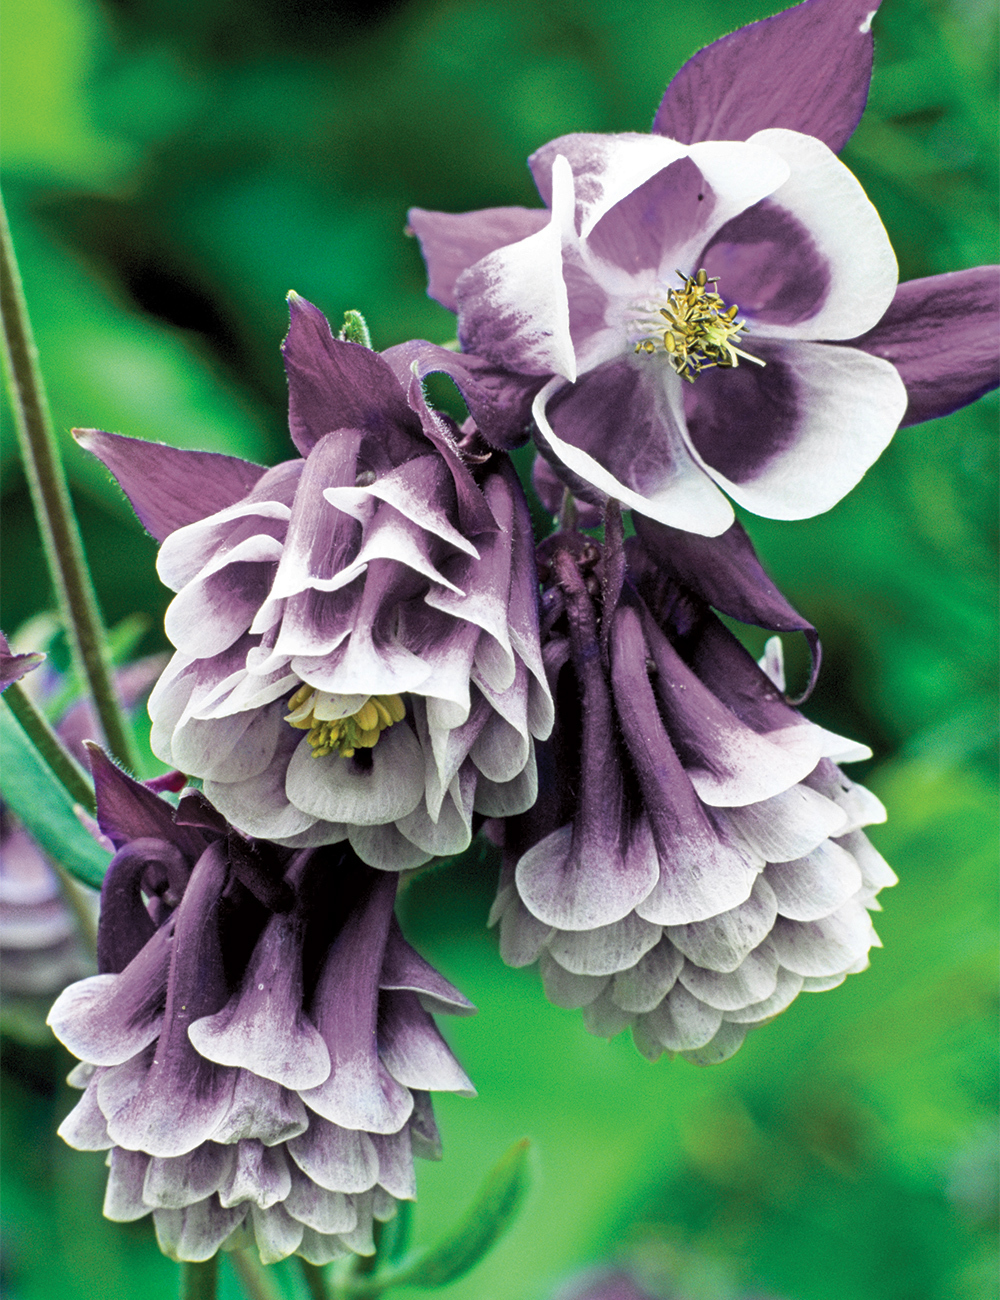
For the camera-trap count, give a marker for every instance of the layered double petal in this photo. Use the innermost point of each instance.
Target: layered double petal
(729, 248)
(695, 858)
(356, 630)
(257, 1052)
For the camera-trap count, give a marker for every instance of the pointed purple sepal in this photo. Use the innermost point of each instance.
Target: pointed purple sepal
(12, 666)
(807, 69)
(170, 487)
(453, 241)
(127, 810)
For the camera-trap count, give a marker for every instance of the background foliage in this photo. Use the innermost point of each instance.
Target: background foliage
(172, 168)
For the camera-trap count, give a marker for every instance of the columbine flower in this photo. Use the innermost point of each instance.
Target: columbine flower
(695, 858)
(356, 630)
(257, 1052)
(713, 307)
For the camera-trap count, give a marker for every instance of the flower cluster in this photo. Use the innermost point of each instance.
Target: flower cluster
(373, 658)
(695, 858)
(257, 1052)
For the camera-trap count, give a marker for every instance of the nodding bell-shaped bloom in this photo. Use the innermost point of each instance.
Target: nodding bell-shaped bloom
(357, 629)
(711, 311)
(695, 858)
(257, 1053)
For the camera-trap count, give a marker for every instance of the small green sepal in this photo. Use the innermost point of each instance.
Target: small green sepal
(355, 329)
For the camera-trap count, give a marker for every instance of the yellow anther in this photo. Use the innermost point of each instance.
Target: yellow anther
(323, 716)
(702, 332)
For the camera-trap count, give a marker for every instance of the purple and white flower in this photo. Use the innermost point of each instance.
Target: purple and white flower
(257, 1052)
(356, 630)
(695, 858)
(729, 248)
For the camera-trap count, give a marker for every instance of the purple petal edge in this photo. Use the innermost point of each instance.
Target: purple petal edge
(453, 241)
(807, 69)
(169, 487)
(941, 333)
(13, 667)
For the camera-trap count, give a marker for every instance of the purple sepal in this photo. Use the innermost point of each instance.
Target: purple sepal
(941, 335)
(807, 69)
(170, 487)
(127, 810)
(499, 400)
(337, 385)
(12, 666)
(453, 241)
(125, 925)
(725, 572)
(404, 968)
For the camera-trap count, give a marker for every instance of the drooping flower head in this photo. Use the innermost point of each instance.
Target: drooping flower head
(356, 630)
(712, 309)
(257, 1051)
(695, 858)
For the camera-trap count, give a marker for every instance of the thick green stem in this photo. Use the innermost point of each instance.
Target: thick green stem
(64, 766)
(53, 510)
(198, 1281)
(315, 1279)
(254, 1278)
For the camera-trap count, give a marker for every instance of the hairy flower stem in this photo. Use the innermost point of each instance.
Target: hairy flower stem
(198, 1281)
(53, 509)
(254, 1278)
(64, 766)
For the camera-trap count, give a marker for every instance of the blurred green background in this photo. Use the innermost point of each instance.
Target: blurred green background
(172, 168)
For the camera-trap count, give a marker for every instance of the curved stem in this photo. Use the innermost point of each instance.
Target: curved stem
(53, 509)
(198, 1281)
(64, 766)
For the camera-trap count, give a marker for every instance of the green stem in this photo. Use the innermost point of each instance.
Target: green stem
(64, 766)
(198, 1281)
(256, 1282)
(83, 914)
(53, 509)
(315, 1279)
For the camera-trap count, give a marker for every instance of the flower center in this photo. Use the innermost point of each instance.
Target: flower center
(701, 331)
(336, 722)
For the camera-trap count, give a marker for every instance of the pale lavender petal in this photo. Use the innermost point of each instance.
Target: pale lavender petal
(337, 789)
(723, 942)
(605, 949)
(404, 968)
(322, 1210)
(386, 848)
(564, 989)
(13, 666)
(341, 1160)
(857, 804)
(277, 1233)
(726, 1042)
(647, 983)
(424, 1135)
(258, 1174)
(412, 1050)
(360, 1237)
(755, 979)
(681, 1022)
(786, 991)
(172, 1183)
(124, 1195)
(320, 1248)
(261, 1109)
(812, 887)
(787, 826)
(807, 68)
(824, 947)
(263, 1028)
(452, 242)
(604, 1018)
(395, 1164)
(876, 873)
(196, 1232)
(85, 1128)
(522, 936)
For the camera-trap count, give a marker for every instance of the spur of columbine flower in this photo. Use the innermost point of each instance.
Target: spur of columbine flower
(732, 250)
(356, 630)
(257, 1052)
(695, 858)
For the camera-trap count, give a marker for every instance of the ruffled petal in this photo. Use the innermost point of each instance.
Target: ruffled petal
(452, 242)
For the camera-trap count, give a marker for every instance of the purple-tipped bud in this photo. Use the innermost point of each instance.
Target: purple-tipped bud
(257, 1053)
(357, 631)
(695, 858)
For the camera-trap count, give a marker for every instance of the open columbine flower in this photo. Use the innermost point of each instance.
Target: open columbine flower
(356, 630)
(695, 858)
(713, 308)
(257, 1051)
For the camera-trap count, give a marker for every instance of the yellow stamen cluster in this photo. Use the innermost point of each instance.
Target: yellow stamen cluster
(319, 713)
(701, 330)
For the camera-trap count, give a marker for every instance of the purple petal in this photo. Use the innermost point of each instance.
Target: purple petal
(322, 1210)
(173, 1182)
(123, 1197)
(564, 989)
(126, 810)
(753, 980)
(85, 1128)
(606, 949)
(13, 667)
(337, 385)
(412, 1049)
(125, 926)
(941, 335)
(258, 1174)
(341, 1160)
(647, 983)
(404, 968)
(360, 1093)
(170, 487)
(196, 1232)
(263, 1028)
(451, 242)
(395, 1164)
(725, 572)
(106, 1019)
(807, 69)
(277, 1233)
(261, 1109)
(424, 1135)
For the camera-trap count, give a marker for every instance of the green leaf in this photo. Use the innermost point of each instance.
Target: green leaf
(485, 1222)
(35, 796)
